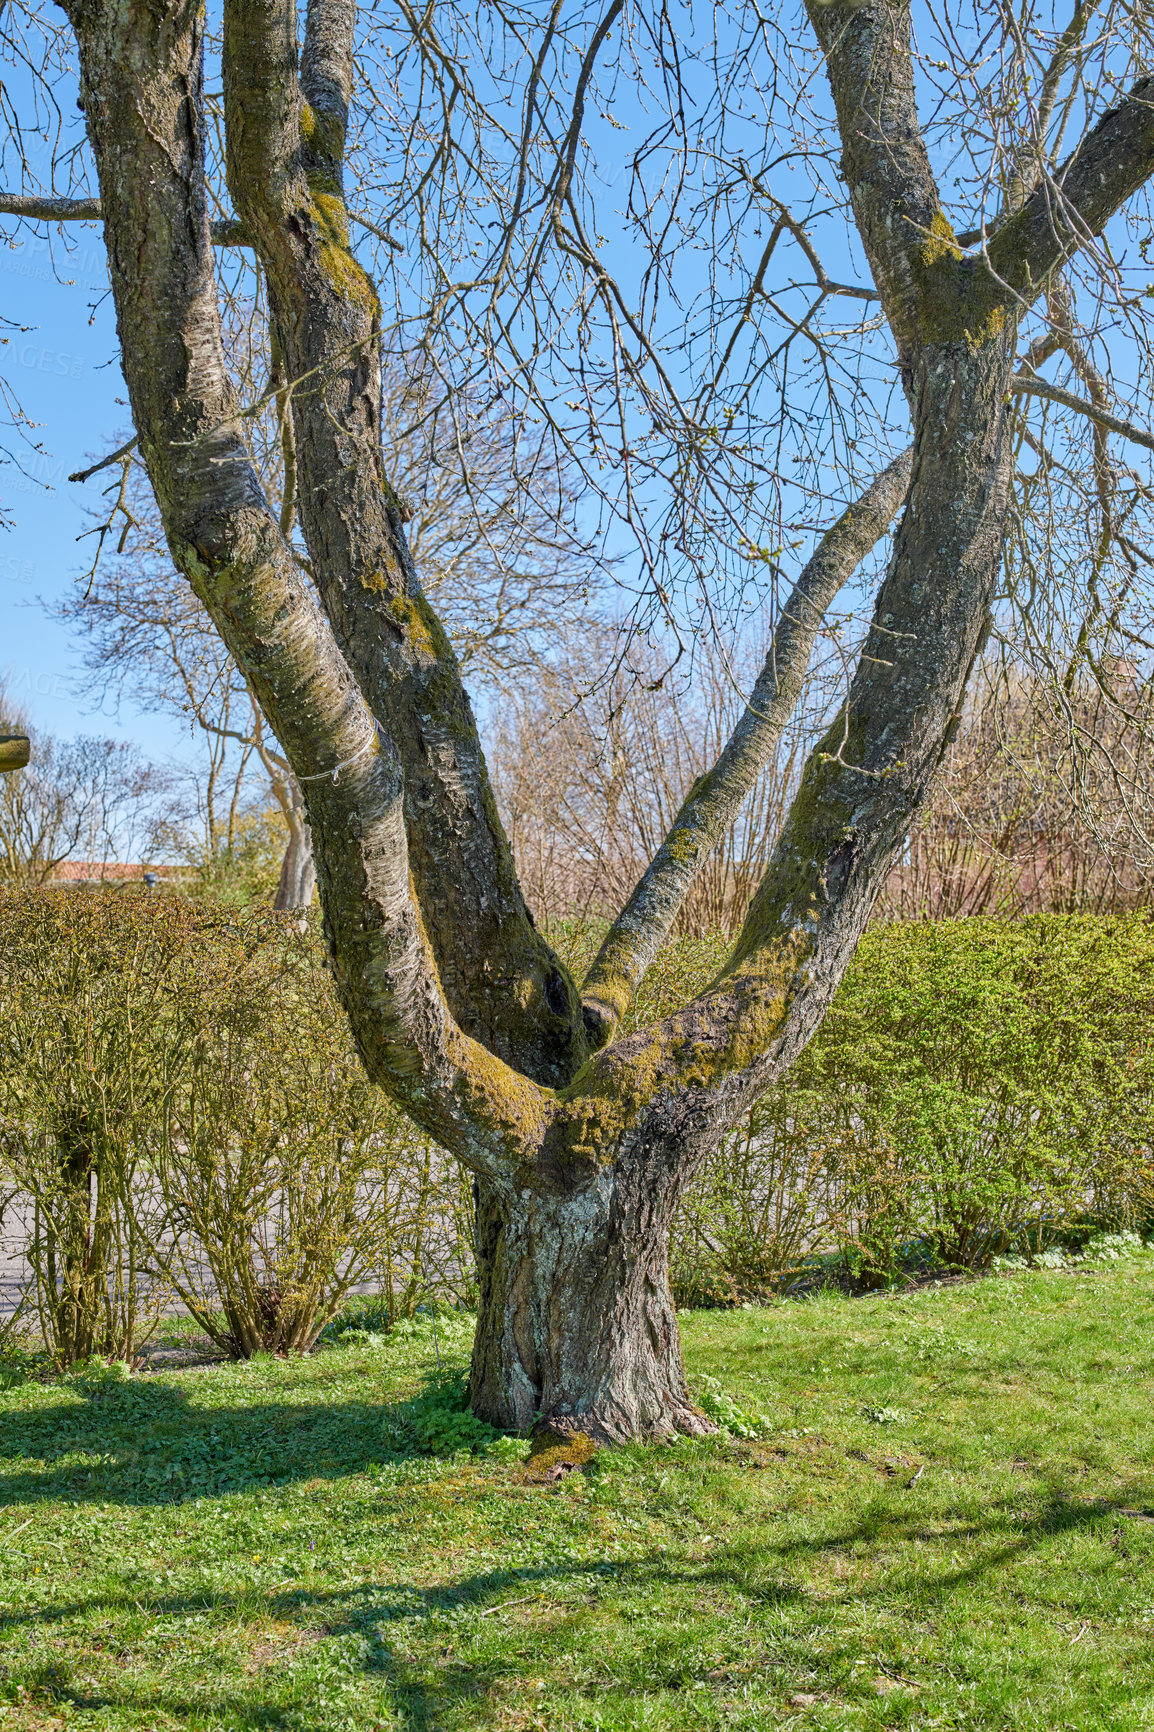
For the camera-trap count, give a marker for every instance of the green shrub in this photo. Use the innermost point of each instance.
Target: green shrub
(976, 1087)
(440, 1421)
(978, 1083)
(703, 1285)
(183, 1113)
(94, 1042)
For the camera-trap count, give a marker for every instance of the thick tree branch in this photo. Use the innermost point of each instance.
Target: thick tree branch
(716, 798)
(15, 750)
(884, 160)
(868, 778)
(55, 210)
(225, 233)
(327, 68)
(680, 1082)
(262, 120)
(1109, 165)
(142, 93)
(928, 287)
(288, 191)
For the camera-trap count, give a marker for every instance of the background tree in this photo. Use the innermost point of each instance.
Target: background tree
(1044, 803)
(582, 1141)
(86, 799)
(592, 759)
(499, 552)
(1040, 806)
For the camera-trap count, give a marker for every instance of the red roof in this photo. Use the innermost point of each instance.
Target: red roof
(96, 871)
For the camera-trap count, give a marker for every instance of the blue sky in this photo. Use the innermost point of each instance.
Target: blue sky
(63, 366)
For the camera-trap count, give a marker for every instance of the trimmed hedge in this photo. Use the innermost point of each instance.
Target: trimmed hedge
(977, 1086)
(183, 1116)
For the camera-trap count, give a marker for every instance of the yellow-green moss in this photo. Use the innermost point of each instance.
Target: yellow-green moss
(323, 144)
(329, 209)
(423, 632)
(954, 305)
(684, 842)
(611, 1093)
(341, 270)
(546, 1453)
(500, 1098)
(965, 305)
(990, 330)
(612, 984)
(941, 242)
(397, 500)
(321, 135)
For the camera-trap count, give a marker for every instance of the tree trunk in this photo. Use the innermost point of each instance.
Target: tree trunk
(298, 873)
(576, 1331)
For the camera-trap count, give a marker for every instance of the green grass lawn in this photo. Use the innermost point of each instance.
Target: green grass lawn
(948, 1522)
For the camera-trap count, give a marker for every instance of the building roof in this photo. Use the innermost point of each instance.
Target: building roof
(107, 871)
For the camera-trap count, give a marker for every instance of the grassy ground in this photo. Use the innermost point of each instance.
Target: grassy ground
(949, 1522)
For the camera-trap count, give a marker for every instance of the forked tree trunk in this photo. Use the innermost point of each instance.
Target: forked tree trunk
(576, 1330)
(458, 1005)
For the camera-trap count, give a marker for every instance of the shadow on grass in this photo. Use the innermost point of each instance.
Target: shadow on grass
(378, 1625)
(145, 1443)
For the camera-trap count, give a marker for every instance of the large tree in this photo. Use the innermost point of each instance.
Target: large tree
(582, 1140)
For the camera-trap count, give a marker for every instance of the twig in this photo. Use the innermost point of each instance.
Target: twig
(524, 1600)
(389, 240)
(1055, 394)
(106, 462)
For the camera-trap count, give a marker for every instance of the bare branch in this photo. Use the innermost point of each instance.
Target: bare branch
(714, 801)
(1109, 165)
(226, 233)
(1021, 386)
(56, 210)
(116, 456)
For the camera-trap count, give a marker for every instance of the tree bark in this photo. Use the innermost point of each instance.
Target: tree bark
(15, 750)
(286, 135)
(576, 1328)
